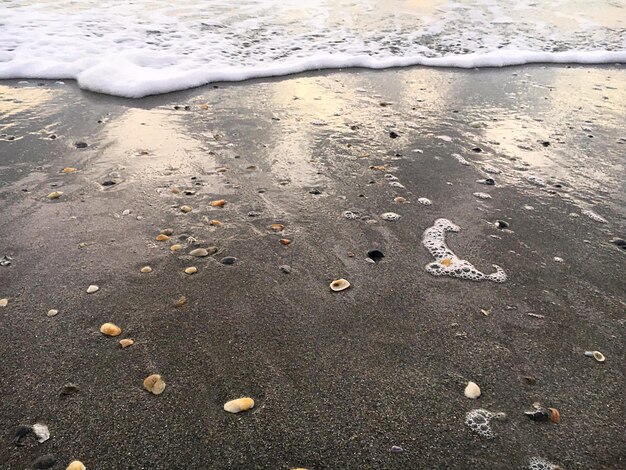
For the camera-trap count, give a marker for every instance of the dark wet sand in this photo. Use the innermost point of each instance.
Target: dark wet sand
(338, 378)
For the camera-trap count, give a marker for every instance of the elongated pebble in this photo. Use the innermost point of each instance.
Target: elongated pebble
(55, 194)
(69, 169)
(76, 465)
(186, 209)
(191, 270)
(240, 404)
(110, 329)
(218, 203)
(176, 247)
(215, 223)
(167, 231)
(4, 302)
(146, 269)
(52, 312)
(126, 342)
(199, 252)
(92, 288)
(162, 237)
(154, 384)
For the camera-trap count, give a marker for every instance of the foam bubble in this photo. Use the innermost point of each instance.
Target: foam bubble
(539, 463)
(425, 201)
(479, 421)
(390, 216)
(447, 263)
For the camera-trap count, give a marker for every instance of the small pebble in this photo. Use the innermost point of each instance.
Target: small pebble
(285, 268)
(285, 241)
(126, 212)
(167, 231)
(215, 223)
(146, 269)
(202, 252)
(176, 247)
(69, 389)
(80, 145)
(472, 390)
(218, 203)
(69, 170)
(191, 270)
(110, 329)
(55, 194)
(162, 237)
(52, 312)
(277, 227)
(154, 384)
(186, 209)
(396, 449)
(76, 465)
(240, 404)
(228, 260)
(126, 342)
(4, 302)
(181, 302)
(399, 200)
(92, 288)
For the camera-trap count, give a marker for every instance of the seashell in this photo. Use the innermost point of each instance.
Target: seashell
(191, 270)
(218, 203)
(555, 416)
(76, 465)
(4, 302)
(215, 223)
(126, 342)
(425, 201)
(167, 231)
(186, 209)
(41, 431)
(176, 247)
(162, 237)
(472, 390)
(69, 169)
(199, 252)
(55, 194)
(285, 241)
(52, 312)
(390, 216)
(146, 269)
(92, 288)
(597, 355)
(399, 200)
(154, 384)
(240, 404)
(339, 285)
(174, 190)
(277, 227)
(110, 329)
(181, 302)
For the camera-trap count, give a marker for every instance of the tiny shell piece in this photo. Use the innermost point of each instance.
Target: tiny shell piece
(126, 342)
(472, 390)
(154, 384)
(76, 465)
(218, 203)
(240, 404)
(110, 329)
(339, 285)
(597, 355)
(191, 270)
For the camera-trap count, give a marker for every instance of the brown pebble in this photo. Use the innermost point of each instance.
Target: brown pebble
(176, 247)
(181, 302)
(154, 384)
(124, 343)
(162, 237)
(175, 190)
(216, 223)
(110, 329)
(285, 241)
(277, 227)
(186, 209)
(218, 203)
(69, 169)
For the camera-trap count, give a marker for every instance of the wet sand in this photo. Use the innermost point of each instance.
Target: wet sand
(338, 378)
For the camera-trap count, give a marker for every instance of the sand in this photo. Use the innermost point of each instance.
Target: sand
(338, 378)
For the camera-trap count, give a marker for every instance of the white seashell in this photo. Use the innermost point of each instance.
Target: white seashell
(92, 288)
(339, 285)
(240, 404)
(425, 201)
(472, 390)
(597, 355)
(4, 302)
(41, 431)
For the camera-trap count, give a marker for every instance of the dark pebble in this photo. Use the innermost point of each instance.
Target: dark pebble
(21, 432)
(490, 181)
(108, 183)
(176, 107)
(530, 380)
(375, 255)
(228, 260)
(538, 415)
(477, 149)
(52, 136)
(394, 135)
(80, 145)
(315, 191)
(501, 224)
(187, 108)
(45, 461)
(619, 242)
(545, 144)
(69, 389)
(285, 268)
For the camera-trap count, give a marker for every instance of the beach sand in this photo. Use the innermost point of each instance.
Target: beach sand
(338, 378)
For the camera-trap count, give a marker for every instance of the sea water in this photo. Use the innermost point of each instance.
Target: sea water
(142, 47)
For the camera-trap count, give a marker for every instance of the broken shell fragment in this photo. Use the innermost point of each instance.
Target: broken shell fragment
(285, 241)
(218, 203)
(154, 384)
(76, 465)
(55, 194)
(146, 269)
(69, 169)
(240, 404)
(399, 200)
(191, 270)
(4, 302)
(472, 390)
(555, 416)
(52, 312)
(126, 342)
(215, 223)
(181, 302)
(597, 355)
(162, 237)
(176, 247)
(186, 209)
(110, 329)
(92, 288)
(339, 285)
(277, 227)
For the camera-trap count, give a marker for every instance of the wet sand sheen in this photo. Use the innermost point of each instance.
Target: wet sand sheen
(337, 378)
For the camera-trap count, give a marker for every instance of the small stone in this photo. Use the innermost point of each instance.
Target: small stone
(394, 134)
(530, 380)
(55, 194)
(42, 432)
(191, 270)
(80, 145)
(199, 252)
(69, 389)
(399, 200)
(285, 268)
(146, 269)
(166, 231)
(397, 449)
(619, 242)
(285, 241)
(472, 390)
(126, 342)
(69, 170)
(92, 288)
(176, 247)
(181, 302)
(228, 260)
(162, 237)
(425, 201)
(110, 329)
(174, 190)
(126, 212)
(76, 465)
(45, 461)
(218, 203)
(52, 312)
(238, 405)
(186, 209)
(215, 223)
(277, 227)
(4, 302)
(154, 384)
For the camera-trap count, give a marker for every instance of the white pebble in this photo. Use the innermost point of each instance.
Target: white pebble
(92, 288)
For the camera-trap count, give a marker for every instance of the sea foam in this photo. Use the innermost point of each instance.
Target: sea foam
(134, 49)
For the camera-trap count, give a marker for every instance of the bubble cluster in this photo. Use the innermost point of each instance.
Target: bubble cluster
(390, 216)
(593, 216)
(447, 263)
(538, 463)
(479, 421)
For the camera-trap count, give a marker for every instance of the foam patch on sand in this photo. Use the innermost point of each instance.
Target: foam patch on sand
(479, 421)
(145, 47)
(538, 463)
(447, 263)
